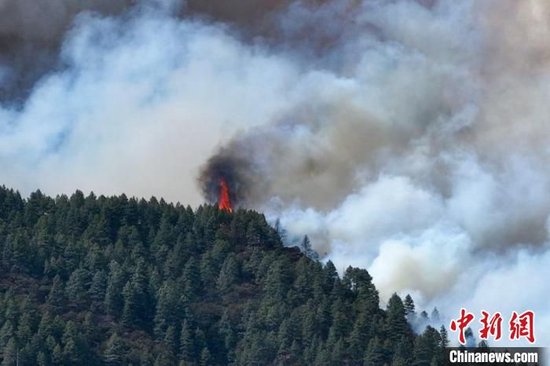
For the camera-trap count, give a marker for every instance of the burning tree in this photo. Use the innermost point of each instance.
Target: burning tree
(224, 200)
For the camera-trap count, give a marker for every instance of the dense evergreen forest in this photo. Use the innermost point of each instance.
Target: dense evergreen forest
(119, 281)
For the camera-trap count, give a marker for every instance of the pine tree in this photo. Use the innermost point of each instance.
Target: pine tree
(426, 347)
(114, 301)
(408, 303)
(359, 337)
(164, 358)
(74, 349)
(435, 316)
(229, 273)
(374, 355)
(170, 341)
(26, 325)
(206, 357)
(228, 334)
(10, 353)
(138, 303)
(57, 354)
(98, 289)
(42, 359)
(115, 351)
(404, 350)
(399, 361)
(396, 322)
(187, 342)
(130, 310)
(56, 297)
(444, 337)
(191, 279)
(168, 308)
(330, 275)
(77, 287)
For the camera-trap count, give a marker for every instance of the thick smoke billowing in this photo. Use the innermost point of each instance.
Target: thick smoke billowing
(405, 137)
(31, 34)
(237, 173)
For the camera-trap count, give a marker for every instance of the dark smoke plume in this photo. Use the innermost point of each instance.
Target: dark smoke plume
(31, 35)
(237, 172)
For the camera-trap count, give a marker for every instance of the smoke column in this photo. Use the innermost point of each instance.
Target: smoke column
(405, 137)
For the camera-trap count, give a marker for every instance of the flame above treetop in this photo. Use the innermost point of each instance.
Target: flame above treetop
(224, 202)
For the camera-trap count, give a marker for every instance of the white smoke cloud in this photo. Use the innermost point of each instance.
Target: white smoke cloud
(140, 106)
(405, 137)
(451, 202)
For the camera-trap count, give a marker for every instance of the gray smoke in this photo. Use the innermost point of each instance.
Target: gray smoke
(31, 33)
(416, 147)
(405, 137)
(236, 171)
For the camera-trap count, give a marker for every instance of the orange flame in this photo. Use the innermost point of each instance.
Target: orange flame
(224, 202)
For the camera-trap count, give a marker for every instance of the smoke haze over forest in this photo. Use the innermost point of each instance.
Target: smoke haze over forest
(406, 137)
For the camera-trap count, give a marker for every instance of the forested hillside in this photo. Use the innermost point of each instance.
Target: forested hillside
(117, 281)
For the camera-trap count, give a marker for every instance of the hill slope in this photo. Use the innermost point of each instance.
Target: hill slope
(117, 281)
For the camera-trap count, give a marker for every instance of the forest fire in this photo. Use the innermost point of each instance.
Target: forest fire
(225, 180)
(224, 202)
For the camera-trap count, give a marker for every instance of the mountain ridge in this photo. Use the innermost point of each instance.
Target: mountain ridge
(120, 281)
